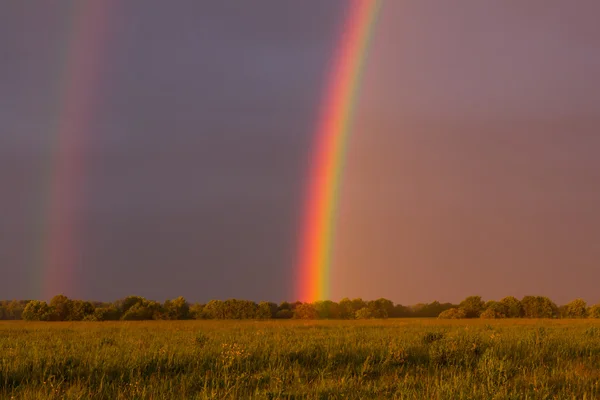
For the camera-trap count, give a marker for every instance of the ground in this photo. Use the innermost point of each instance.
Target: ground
(402, 358)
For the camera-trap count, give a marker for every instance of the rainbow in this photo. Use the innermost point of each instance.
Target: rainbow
(60, 253)
(331, 139)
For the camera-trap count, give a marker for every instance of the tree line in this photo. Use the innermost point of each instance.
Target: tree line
(136, 308)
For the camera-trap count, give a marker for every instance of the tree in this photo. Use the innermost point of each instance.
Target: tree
(110, 313)
(284, 314)
(266, 310)
(284, 311)
(401, 311)
(453, 313)
(306, 311)
(494, 309)
(61, 307)
(143, 311)
(197, 311)
(364, 313)
(358, 304)
(37, 310)
(327, 309)
(14, 309)
(381, 308)
(576, 309)
(80, 310)
(424, 310)
(594, 311)
(513, 307)
(176, 309)
(538, 307)
(346, 309)
(239, 309)
(214, 309)
(473, 306)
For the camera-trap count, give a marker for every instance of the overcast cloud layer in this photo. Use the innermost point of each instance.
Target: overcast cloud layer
(473, 167)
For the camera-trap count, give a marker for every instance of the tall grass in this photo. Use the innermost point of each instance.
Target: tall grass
(404, 359)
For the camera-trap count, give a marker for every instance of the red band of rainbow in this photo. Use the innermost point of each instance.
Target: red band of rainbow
(331, 138)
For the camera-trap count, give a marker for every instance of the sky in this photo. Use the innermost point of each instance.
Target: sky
(472, 167)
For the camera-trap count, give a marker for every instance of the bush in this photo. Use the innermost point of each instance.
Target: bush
(37, 310)
(364, 313)
(453, 313)
(594, 311)
(284, 314)
(491, 313)
(306, 311)
(576, 309)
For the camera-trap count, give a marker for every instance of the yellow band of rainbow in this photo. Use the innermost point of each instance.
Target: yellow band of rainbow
(331, 138)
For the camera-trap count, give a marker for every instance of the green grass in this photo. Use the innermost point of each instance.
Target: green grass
(404, 359)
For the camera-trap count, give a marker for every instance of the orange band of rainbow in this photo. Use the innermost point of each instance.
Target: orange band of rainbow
(332, 135)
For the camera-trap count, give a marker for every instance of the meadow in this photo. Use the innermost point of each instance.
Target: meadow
(292, 359)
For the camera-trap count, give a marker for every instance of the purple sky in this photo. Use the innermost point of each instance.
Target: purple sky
(473, 167)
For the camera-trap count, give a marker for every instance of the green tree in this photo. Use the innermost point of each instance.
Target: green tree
(266, 310)
(364, 313)
(514, 307)
(214, 309)
(81, 310)
(473, 306)
(143, 311)
(327, 309)
(401, 311)
(239, 309)
(576, 309)
(176, 309)
(381, 308)
(37, 310)
(494, 309)
(306, 311)
(453, 313)
(197, 311)
(14, 309)
(125, 304)
(594, 311)
(346, 309)
(538, 307)
(110, 313)
(428, 310)
(358, 304)
(61, 307)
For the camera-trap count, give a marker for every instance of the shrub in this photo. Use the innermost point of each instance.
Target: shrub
(453, 313)
(284, 314)
(594, 311)
(576, 309)
(306, 311)
(364, 313)
(488, 314)
(37, 310)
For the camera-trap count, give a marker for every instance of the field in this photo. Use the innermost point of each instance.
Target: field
(403, 358)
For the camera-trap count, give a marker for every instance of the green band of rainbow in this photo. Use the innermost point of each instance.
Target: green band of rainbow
(333, 133)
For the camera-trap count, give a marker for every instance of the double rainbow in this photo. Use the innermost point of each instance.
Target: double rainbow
(60, 253)
(331, 139)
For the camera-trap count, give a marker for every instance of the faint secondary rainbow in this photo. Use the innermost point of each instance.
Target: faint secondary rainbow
(81, 59)
(331, 138)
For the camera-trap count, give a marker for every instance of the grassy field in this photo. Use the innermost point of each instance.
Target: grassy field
(404, 359)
